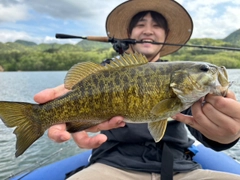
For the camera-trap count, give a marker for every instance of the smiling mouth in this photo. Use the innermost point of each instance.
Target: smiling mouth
(147, 41)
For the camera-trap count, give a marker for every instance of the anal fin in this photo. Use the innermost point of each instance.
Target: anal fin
(157, 129)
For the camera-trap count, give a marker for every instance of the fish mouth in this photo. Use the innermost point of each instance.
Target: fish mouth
(224, 84)
(224, 92)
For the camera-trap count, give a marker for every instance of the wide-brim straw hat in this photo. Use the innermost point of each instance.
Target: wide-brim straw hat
(179, 21)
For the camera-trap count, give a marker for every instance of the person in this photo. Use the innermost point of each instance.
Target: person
(127, 151)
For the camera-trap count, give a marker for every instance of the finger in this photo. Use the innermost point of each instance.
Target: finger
(199, 121)
(226, 123)
(212, 123)
(83, 140)
(50, 94)
(228, 106)
(58, 133)
(201, 127)
(231, 95)
(186, 119)
(190, 120)
(203, 118)
(115, 122)
(215, 116)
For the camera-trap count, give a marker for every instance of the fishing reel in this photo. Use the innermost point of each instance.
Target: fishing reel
(120, 47)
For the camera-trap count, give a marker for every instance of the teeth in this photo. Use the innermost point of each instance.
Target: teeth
(147, 40)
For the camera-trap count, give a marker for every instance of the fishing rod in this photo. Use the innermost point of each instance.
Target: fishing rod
(119, 45)
(124, 43)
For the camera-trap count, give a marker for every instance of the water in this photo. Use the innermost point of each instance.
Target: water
(22, 86)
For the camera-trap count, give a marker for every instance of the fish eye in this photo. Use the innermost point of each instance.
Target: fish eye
(204, 68)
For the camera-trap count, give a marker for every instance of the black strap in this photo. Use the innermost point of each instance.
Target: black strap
(69, 174)
(166, 167)
(167, 163)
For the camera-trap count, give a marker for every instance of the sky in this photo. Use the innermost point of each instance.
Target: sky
(39, 20)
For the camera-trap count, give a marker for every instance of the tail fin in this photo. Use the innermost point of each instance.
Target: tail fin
(22, 116)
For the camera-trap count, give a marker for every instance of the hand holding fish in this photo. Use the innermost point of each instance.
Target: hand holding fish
(58, 133)
(129, 86)
(84, 141)
(218, 118)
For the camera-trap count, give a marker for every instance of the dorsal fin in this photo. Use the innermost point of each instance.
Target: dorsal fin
(128, 60)
(81, 70)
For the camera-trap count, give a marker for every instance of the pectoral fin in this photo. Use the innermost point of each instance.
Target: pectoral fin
(157, 129)
(167, 107)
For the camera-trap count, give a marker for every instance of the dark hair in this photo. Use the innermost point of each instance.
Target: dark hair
(157, 17)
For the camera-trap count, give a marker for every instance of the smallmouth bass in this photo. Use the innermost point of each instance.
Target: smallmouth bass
(132, 87)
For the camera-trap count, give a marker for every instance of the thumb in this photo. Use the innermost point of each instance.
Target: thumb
(50, 94)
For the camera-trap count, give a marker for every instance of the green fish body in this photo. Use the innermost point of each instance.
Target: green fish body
(132, 87)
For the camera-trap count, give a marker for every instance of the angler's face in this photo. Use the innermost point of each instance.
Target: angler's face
(148, 30)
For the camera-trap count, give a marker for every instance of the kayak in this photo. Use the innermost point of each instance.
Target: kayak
(208, 158)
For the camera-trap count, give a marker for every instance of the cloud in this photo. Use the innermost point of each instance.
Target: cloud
(46, 18)
(39, 20)
(11, 35)
(13, 13)
(213, 19)
(72, 9)
(88, 16)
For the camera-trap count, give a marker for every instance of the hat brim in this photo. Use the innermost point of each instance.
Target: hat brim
(179, 21)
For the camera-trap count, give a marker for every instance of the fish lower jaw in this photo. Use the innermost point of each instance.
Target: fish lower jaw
(220, 91)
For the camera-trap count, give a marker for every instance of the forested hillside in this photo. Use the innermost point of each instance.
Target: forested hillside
(28, 56)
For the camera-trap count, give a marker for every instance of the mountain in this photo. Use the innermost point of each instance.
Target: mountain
(233, 38)
(90, 45)
(12, 46)
(25, 43)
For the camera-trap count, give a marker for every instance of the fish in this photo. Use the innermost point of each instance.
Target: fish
(130, 86)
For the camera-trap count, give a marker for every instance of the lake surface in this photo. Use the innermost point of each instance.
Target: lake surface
(22, 86)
